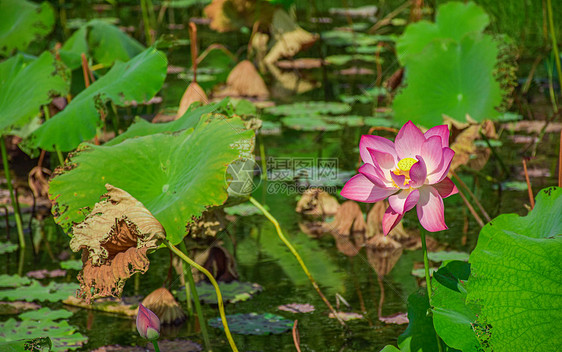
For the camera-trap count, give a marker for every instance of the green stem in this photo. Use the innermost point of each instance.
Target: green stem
(15, 203)
(297, 256)
(215, 285)
(428, 281)
(47, 115)
(191, 291)
(155, 343)
(146, 21)
(554, 42)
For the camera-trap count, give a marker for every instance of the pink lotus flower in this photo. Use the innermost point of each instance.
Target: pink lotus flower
(412, 171)
(148, 324)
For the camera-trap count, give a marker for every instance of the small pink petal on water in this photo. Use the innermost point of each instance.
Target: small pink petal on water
(409, 141)
(297, 308)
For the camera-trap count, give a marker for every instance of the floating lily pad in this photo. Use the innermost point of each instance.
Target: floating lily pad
(13, 280)
(420, 272)
(310, 108)
(39, 344)
(346, 316)
(368, 49)
(232, 292)
(72, 264)
(53, 292)
(344, 59)
(270, 128)
(350, 120)
(297, 308)
(7, 247)
(309, 123)
(380, 121)
(63, 336)
(443, 256)
(254, 324)
(46, 314)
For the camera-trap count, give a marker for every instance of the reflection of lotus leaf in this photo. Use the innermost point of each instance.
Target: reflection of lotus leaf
(175, 176)
(254, 324)
(7, 247)
(310, 108)
(22, 22)
(232, 292)
(516, 276)
(46, 314)
(343, 59)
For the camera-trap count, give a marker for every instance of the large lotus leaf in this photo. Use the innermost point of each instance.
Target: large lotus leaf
(254, 324)
(63, 336)
(453, 318)
(454, 20)
(53, 292)
(232, 292)
(310, 108)
(516, 277)
(176, 176)
(46, 314)
(451, 79)
(38, 344)
(21, 22)
(24, 87)
(419, 336)
(136, 80)
(101, 40)
(142, 127)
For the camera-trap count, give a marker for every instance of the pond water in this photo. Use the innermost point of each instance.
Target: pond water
(261, 257)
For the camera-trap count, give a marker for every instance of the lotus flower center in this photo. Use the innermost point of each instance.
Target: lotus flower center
(406, 164)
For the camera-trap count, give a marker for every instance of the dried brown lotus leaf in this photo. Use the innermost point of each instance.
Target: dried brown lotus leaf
(466, 153)
(348, 228)
(317, 202)
(193, 93)
(289, 37)
(382, 254)
(244, 81)
(164, 305)
(114, 238)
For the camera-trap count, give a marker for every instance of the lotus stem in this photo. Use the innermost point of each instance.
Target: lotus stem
(193, 47)
(15, 203)
(560, 162)
(473, 196)
(297, 256)
(529, 188)
(155, 343)
(554, 42)
(47, 117)
(471, 209)
(217, 290)
(146, 21)
(296, 336)
(428, 281)
(191, 292)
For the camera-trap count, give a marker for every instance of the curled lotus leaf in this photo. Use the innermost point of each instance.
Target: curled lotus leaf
(115, 239)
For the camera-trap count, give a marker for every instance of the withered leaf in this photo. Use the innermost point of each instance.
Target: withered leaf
(114, 238)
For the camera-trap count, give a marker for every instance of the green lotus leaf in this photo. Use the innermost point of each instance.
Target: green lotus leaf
(136, 80)
(516, 277)
(25, 86)
(21, 22)
(72, 264)
(380, 122)
(344, 59)
(389, 348)
(453, 21)
(7, 247)
(53, 292)
(443, 256)
(176, 176)
(102, 41)
(419, 335)
(451, 79)
(39, 344)
(309, 123)
(13, 280)
(142, 127)
(453, 318)
(346, 120)
(45, 314)
(232, 292)
(310, 108)
(254, 324)
(64, 337)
